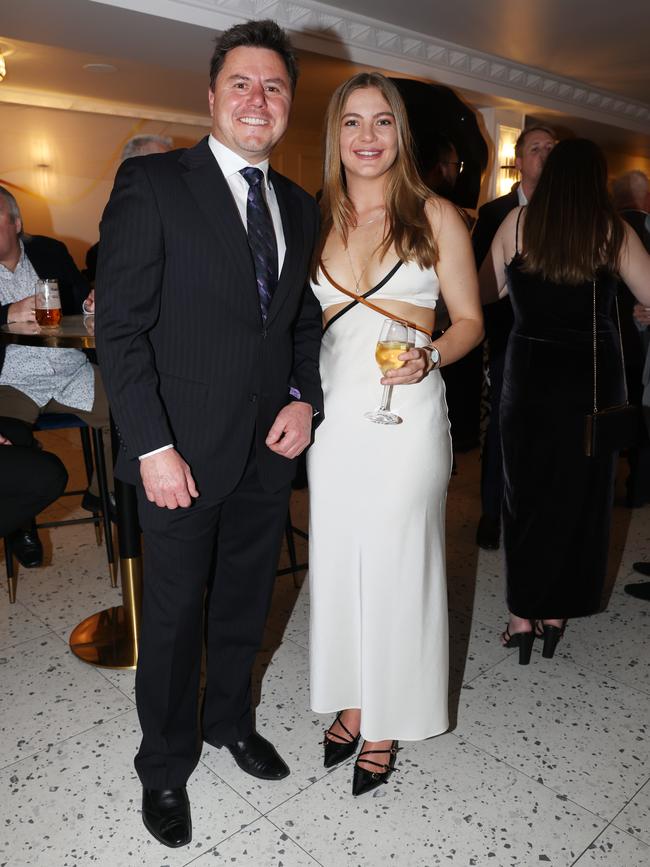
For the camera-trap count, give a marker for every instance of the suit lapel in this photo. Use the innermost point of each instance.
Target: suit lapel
(294, 240)
(212, 194)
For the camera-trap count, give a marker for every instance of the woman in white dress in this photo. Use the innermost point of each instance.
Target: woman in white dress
(378, 643)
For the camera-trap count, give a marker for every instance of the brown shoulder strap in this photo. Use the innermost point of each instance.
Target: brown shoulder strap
(361, 300)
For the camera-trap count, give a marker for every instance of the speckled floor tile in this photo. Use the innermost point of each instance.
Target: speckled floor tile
(473, 649)
(74, 586)
(259, 844)
(450, 804)
(285, 719)
(635, 818)
(124, 680)
(78, 803)
(581, 734)
(480, 593)
(614, 848)
(47, 695)
(17, 623)
(615, 643)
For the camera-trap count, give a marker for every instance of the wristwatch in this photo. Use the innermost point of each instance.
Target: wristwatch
(435, 356)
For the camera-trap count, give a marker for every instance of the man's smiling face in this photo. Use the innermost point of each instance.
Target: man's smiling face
(251, 101)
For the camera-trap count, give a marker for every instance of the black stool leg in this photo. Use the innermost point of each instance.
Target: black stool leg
(291, 547)
(12, 581)
(88, 463)
(100, 467)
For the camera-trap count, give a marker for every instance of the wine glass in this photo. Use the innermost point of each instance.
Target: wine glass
(394, 339)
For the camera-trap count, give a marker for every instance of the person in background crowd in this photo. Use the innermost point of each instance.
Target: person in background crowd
(36, 379)
(631, 194)
(30, 479)
(209, 338)
(562, 275)
(136, 146)
(531, 150)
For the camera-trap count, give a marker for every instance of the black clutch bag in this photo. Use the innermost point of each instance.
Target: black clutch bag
(617, 427)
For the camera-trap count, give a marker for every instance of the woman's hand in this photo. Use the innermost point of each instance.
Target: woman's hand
(417, 363)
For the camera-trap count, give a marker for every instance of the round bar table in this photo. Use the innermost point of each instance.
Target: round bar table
(108, 638)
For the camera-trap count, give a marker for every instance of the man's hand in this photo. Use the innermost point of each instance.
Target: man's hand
(167, 480)
(415, 368)
(4, 441)
(22, 311)
(641, 314)
(290, 433)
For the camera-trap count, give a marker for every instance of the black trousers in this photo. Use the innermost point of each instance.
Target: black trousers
(30, 479)
(211, 565)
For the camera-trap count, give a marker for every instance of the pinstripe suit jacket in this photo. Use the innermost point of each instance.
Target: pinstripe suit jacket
(184, 354)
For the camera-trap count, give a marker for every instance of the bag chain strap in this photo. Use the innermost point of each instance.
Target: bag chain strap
(620, 341)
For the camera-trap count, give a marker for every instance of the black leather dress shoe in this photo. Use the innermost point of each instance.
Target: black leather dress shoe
(166, 815)
(27, 548)
(259, 758)
(488, 533)
(642, 568)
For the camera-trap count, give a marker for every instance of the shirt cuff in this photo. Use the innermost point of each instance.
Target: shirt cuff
(156, 451)
(295, 393)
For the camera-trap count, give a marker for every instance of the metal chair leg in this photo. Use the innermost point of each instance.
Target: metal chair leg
(100, 467)
(88, 463)
(12, 580)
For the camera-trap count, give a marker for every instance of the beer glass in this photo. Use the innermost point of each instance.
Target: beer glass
(394, 339)
(47, 302)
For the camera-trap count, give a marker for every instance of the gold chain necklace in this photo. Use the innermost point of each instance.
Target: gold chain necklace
(370, 222)
(357, 280)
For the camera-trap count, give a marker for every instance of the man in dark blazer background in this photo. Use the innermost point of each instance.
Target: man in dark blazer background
(531, 149)
(208, 336)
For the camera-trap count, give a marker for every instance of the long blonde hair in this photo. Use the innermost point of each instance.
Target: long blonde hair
(408, 228)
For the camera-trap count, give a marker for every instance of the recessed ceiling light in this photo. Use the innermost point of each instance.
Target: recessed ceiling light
(100, 67)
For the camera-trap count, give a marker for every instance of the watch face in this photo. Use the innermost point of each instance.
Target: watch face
(435, 356)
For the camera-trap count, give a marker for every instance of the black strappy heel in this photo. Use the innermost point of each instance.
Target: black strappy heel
(364, 780)
(522, 640)
(552, 635)
(340, 750)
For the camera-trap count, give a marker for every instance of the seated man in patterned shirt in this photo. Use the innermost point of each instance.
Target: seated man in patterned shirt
(36, 379)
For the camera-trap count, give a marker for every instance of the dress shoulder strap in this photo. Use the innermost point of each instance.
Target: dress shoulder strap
(517, 250)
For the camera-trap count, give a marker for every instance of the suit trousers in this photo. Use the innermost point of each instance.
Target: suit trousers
(30, 479)
(16, 404)
(209, 571)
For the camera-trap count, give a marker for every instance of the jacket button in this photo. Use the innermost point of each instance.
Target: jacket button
(252, 397)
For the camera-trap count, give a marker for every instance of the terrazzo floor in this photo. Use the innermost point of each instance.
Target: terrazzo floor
(545, 765)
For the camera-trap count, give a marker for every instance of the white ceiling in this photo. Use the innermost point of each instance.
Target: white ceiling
(162, 63)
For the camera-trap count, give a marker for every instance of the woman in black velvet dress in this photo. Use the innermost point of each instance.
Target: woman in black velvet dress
(551, 257)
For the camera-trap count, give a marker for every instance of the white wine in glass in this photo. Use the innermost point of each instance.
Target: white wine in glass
(394, 339)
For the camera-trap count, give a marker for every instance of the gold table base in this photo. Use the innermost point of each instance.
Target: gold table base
(109, 638)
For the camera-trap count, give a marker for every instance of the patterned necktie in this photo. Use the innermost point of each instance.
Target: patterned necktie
(261, 238)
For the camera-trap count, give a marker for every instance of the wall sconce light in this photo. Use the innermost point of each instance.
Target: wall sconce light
(3, 68)
(508, 172)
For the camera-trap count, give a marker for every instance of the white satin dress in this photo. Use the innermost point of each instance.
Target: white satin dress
(378, 631)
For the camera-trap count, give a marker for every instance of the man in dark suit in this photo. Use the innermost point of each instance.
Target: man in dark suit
(34, 380)
(208, 336)
(531, 149)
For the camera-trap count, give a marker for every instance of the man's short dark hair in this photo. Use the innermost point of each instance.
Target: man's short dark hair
(254, 34)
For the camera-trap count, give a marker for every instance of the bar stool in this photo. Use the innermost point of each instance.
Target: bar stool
(62, 421)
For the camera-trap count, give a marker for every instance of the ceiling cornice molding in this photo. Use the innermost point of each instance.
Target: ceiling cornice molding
(336, 32)
(73, 102)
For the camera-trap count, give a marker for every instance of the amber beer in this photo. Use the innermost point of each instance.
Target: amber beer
(48, 317)
(47, 303)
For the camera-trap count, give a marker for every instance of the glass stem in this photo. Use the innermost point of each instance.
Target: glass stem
(385, 398)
